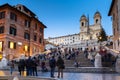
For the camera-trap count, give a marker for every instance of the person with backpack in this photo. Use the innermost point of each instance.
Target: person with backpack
(52, 64)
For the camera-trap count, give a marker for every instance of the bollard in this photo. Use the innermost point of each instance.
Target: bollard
(15, 78)
(117, 65)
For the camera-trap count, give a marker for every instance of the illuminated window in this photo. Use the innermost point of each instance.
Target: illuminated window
(12, 45)
(26, 48)
(1, 46)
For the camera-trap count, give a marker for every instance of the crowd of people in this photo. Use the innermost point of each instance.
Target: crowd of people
(29, 66)
(107, 59)
(55, 59)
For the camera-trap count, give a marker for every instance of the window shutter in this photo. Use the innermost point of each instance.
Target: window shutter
(8, 44)
(14, 45)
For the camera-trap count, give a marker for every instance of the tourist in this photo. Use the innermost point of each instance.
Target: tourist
(52, 64)
(11, 64)
(76, 64)
(21, 67)
(29, 64)
(61, 66)
(34, 67)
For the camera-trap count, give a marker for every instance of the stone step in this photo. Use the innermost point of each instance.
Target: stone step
(90, 70)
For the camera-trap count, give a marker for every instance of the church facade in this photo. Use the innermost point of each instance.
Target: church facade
(88, 35)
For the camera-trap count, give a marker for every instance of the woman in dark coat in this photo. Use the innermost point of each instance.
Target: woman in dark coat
(61, 66)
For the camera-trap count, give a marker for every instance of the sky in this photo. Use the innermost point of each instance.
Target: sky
(62, 17)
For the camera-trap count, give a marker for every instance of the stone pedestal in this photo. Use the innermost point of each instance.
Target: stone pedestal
(98, 62)
(117, 65)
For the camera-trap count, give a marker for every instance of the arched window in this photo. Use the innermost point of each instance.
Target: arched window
(82, 23)
(96, 21)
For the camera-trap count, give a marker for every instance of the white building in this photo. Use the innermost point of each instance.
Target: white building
(87, 36)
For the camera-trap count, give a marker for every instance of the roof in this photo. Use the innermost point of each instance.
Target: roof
(83, 16)
(13, 7)
(113, 1)
(97, 12)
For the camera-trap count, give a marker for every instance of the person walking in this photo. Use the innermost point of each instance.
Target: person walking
(61, 66)
(52, 64)
(11, 64)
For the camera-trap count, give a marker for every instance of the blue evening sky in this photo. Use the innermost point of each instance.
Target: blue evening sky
(62, 16)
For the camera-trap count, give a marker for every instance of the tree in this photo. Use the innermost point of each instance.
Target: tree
(102, 36)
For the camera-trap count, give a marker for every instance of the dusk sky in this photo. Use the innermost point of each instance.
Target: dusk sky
(62, 16)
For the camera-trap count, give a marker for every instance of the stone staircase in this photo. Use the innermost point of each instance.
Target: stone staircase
(83, 62)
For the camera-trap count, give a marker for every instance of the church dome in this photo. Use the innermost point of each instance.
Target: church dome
(83, 17)
(97, 14)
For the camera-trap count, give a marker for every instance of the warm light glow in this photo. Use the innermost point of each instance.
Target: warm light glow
(11, 45)
(1, 46)
(0, 56)
(100, 37)
(26, 48)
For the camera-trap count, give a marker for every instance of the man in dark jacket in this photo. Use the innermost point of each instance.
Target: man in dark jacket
(60, 65)
(52, 64)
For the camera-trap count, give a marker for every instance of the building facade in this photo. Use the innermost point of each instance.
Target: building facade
(88, 34)
(20, 31)
(115, 13)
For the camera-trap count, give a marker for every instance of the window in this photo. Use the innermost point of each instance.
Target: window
(13, 16)
(1, 46)
(41, 30)
(40, 40)
(27, 23)
(11, 45)
(12, 31)
(27, 35)
(1, 29)
(82, 24)
(26, 48)
(35, 38)
(2, 15)
(96, 21)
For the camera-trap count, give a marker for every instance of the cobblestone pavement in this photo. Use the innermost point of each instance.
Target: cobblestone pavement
(73, 76)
